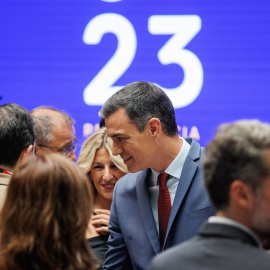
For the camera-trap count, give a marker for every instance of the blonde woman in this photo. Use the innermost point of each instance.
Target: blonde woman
(103, 169)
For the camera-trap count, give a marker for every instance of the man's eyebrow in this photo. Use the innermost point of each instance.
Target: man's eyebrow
(116, 135)
(69, 143)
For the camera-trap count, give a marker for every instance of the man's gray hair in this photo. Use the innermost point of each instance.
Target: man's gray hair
(43, 122)
(143, 101)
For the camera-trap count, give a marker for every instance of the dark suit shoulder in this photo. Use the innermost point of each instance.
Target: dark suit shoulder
(211, 253)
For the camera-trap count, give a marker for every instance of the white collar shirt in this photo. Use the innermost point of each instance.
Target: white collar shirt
(233, 223)
(174, 170)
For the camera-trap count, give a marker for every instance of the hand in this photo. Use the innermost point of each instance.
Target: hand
(100, 221)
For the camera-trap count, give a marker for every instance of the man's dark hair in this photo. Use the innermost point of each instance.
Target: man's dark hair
(16, 133)
(143, 101)
(237, 152)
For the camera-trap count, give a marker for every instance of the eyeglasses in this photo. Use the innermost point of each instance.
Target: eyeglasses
(66, 150)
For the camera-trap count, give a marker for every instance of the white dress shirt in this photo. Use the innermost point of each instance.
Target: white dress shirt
(174, 170)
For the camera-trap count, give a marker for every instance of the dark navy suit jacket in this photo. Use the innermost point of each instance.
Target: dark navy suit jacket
(134, 240)
(217, 246)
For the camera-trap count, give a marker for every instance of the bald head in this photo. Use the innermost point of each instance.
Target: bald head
(55, 115)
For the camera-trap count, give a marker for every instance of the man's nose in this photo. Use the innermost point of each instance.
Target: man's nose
(116, 150)
(72, 156)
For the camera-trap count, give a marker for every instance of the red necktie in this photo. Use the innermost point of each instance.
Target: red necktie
(164, 207)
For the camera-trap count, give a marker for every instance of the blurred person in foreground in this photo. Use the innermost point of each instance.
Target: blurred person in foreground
(55, 132)
(237, 176)
(17, 140)
(165, 173)
(104, 170)
(46, 226)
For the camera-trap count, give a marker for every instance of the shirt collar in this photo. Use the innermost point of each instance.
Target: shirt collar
(6, 172)
(228, 221)
(175, 168)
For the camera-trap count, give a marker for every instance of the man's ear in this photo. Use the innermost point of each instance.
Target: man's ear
(26, 152)
(241, 194)
(154, 126)
(37, 150)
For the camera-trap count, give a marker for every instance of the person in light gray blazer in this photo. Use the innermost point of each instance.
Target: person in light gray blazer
(237, 176)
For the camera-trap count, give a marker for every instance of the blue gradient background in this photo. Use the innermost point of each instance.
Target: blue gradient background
(44, 61)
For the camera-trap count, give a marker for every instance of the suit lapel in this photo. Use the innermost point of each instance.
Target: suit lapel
(188, 172)
(187, 175)
(146, 210)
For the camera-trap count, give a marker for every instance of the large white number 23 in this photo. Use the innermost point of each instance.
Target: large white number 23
(182, 28)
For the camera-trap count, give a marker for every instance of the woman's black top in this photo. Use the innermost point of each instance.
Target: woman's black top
(99, 246)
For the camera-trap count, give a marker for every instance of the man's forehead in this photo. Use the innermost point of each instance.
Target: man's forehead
(63, 128)
(112, 132)
(119, 124)
(114, 125)
(64, 133)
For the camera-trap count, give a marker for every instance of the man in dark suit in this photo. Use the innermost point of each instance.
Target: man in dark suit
(237, 175)
(141, 121)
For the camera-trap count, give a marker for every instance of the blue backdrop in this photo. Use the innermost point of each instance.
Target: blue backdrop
(211, 57)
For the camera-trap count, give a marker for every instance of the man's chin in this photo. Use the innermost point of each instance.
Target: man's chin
(131, 169)
(134, 169)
